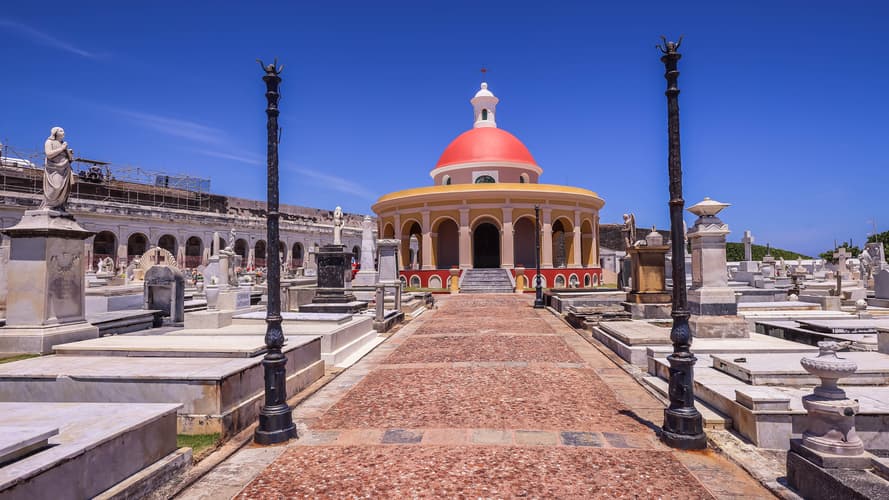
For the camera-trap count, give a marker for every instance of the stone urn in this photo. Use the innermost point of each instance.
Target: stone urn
(199, 286)
(829, 368)
(212, 292)
(830, 426)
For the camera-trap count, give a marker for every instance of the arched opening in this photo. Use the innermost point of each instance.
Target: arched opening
(587, 259)
(137, 245)
(448, 248)
(104, 246)
(259, 254)
(168, 243)
(484, 114)
(194, 247)
(485, 179)
(524, 242)
(296, 255)
(446, 180)
(241, 249)
(486, 246)
(560, 244)
(411, 245)
(388, 232)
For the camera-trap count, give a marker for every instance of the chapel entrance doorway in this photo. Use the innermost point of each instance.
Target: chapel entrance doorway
(486, 246)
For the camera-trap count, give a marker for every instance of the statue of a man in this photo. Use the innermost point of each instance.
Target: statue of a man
(57, 174)
(338, 226)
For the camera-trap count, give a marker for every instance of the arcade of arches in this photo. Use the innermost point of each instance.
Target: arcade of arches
(191, 251)
(494, 236)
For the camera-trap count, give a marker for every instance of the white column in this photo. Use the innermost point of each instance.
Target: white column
(426, 242)
(576, 258)
(465, 240)
(507, 250)
(546, 237)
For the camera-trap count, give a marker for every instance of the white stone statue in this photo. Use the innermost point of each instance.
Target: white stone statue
(57, 174)
(338, 226)
(629, 230)
(231, 240)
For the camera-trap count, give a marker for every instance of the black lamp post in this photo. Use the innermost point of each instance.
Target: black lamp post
(275, 417)
(683, 425)
(538, 289)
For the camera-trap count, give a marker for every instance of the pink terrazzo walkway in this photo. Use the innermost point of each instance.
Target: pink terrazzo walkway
(487, 397)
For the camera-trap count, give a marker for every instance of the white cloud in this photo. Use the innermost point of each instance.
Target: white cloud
(313, 177)
(176, 127)
(48, 40)
(333, 182)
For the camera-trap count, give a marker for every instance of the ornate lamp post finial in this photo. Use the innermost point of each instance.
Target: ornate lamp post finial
(275, 417)
(683, 425)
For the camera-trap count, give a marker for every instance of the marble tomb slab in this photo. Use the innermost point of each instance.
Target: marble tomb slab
(793, 330)
(98, 446)
(336, 318)
(636, 332)
(220, 346)
(17, 440)
(785, 369)
(845, 325)
(221, 395)
(790, 305)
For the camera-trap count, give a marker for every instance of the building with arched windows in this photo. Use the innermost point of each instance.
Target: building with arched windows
(479, 212)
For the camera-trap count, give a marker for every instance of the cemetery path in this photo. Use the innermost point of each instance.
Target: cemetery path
(485, 397)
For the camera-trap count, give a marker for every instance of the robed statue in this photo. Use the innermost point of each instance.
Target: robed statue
(338, 226)
(57, 174)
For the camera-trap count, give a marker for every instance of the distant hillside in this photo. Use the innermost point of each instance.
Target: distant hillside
(734, 252)
(610, 235)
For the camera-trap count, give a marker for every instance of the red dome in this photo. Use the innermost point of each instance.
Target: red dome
(485, 144)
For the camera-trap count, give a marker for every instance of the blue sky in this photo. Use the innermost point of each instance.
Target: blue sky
(784, 104)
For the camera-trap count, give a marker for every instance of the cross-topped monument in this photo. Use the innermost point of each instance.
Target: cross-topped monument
(748, 246)
(840, 255)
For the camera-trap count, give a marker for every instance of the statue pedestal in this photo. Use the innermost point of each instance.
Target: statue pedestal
(45, 302)
(332, 296)
(649, 280)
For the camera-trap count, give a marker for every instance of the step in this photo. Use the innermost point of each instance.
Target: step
(713, 419)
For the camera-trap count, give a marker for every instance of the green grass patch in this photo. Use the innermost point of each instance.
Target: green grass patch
(200, 444)
(18, 358)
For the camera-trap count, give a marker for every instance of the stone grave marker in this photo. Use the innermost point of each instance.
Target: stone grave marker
(164, 290)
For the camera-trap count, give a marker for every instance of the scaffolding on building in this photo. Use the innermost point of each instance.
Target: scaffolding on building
(22, 172)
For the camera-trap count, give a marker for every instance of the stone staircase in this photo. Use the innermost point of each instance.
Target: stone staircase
(486, 281)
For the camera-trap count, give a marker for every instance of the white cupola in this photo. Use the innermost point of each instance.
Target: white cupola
(484, 105)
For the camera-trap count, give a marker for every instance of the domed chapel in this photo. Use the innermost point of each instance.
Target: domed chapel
(479, 213)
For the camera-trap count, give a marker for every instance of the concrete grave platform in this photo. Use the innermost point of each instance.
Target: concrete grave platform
(756, 411)
(630, 339)
(170, 346)
(220, 395)
(339, 342)
(790, 305)
(785, 369)
(118, 322)
(254, 316)
(793, 330)
(18, 440)
(756, 343)
(113, 298)
(97, 447)
(755, 315)
(845, 325)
